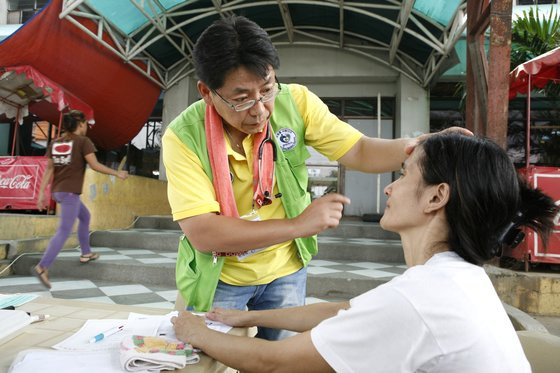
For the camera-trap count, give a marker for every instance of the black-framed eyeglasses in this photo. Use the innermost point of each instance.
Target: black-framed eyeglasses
(269, 96)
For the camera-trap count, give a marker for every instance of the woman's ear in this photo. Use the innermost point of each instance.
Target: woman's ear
(204, 91)
(438, 198)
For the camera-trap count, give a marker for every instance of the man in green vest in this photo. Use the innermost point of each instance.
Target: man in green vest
(237, 179)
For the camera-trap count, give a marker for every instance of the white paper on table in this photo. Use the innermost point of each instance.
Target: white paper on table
(136, 324)
(79, 341)
(218, 326)
(52, 361)
(140, 324)
(214, 325)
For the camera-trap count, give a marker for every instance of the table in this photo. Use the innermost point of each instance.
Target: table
(67, 316)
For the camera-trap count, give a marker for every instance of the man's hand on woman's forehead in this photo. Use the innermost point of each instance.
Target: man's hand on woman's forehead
(409, 148)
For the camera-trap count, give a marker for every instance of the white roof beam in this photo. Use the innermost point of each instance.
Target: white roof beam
(384, 46)
(68, 6)
(158, 22)
(341, 23)
(287, 18)
(382, 61)
(119, 49)
(146, 72)
(451, 36)
(404, 14)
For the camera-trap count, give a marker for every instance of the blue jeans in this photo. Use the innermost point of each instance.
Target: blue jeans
(284, 292)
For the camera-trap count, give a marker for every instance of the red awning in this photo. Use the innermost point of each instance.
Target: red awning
(541, 70)
(120, 96)
(22, 87)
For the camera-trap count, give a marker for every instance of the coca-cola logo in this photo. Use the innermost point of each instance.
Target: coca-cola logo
(16, 182)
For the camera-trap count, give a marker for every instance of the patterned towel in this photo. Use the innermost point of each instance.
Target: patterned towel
(155, 354)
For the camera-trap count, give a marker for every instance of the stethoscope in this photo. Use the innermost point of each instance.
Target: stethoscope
(267, 193)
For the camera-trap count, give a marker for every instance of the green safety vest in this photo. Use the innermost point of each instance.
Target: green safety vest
(197, 273)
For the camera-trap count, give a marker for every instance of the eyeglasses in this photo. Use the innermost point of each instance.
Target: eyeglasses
(269, 96)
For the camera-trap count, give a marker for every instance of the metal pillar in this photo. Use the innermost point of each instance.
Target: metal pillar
(487, 99)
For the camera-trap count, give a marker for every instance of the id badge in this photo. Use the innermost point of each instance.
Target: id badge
(252, 216)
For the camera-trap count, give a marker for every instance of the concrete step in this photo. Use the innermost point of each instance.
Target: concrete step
(360, 249)
(156, 222)
(326, 279)
(351, 228)
(16, 247)
(345, 279)
(139, 238)
(111, 266)
(330, 247)
(348, 227)
(353, 258)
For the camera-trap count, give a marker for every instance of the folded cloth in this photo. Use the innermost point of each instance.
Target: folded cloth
(155, 354)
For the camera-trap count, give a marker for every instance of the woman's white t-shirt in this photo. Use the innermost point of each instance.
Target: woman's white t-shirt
(443, 316)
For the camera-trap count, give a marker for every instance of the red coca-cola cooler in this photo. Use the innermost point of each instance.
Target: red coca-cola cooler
(537, 73)
(532, 249)
(20, 180)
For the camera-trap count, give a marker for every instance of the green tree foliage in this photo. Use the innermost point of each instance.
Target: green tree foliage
(533, 34)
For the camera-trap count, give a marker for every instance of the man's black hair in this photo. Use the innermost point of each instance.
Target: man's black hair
(231, 43)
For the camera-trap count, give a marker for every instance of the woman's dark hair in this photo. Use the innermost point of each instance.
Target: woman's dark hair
(72, 119)
(231, 43)
(488, 199)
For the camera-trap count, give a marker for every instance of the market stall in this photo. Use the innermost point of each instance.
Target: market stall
(533, 74)
(25, 90)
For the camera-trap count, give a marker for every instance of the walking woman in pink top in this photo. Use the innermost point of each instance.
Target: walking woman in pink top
(68, 156)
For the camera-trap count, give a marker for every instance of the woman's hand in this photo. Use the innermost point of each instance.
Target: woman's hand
(122, 174)
(40, 201)
(189, 328)
(230, 317)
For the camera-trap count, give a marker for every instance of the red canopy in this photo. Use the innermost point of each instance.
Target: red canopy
(121, 97)
(539, 71)
(22, 88)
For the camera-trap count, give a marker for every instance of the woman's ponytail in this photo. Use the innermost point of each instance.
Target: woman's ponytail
(537, 210)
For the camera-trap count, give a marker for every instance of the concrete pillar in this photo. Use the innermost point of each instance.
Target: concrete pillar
(412, 109)
(175, 100)
(3, 12)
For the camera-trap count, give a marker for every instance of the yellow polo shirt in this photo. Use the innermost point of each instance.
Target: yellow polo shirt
(190, 191)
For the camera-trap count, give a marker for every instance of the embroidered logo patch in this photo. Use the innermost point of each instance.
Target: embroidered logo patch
(286, 138)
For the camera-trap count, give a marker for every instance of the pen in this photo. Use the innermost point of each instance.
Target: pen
(106, 334)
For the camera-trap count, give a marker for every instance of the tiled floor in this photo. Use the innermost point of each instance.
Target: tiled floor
(93, 291)
(349, 269)
(161, 296)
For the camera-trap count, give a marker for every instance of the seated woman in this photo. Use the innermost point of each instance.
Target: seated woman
(457, 203)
